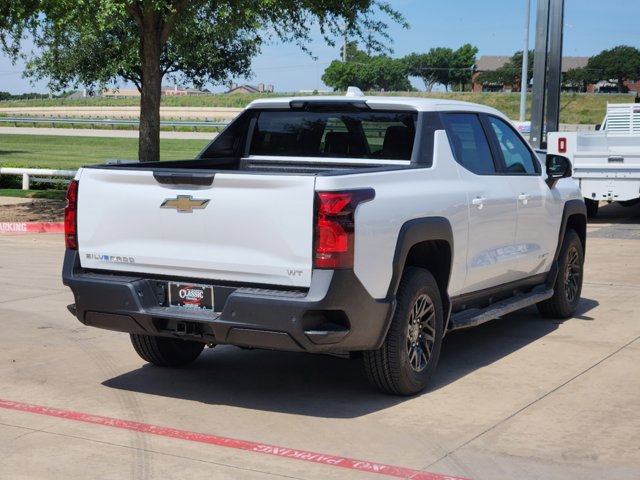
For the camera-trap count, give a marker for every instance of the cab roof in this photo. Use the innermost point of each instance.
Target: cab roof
(374, 102)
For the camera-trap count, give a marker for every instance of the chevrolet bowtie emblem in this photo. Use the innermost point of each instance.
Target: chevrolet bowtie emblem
(184, 203)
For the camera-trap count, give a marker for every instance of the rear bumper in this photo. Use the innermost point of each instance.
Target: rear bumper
(610, 186)
(336, 314)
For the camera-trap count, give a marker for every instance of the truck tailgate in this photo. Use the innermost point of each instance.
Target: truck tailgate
(254, 229)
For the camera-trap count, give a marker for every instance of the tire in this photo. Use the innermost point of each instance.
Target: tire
(568, 285)
(407, 359)
(166, 352)
(592, 207)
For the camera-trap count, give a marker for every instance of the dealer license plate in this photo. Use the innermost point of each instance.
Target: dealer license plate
(189, 295)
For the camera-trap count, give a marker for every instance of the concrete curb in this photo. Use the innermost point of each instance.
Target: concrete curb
(17, 228)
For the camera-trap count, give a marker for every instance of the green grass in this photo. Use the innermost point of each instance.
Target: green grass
(48, 194)
(61, 152)
(574, 108)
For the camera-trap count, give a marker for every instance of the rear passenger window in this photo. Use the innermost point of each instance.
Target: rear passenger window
(469, 143)
(517, 157)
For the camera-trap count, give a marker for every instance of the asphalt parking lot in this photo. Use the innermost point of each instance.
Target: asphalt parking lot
(517, 398)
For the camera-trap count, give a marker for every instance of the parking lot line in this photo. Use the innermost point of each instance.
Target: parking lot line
(31, 227)
(237, 444)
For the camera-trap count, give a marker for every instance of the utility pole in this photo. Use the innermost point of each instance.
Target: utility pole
(524, 83)
(344, 46)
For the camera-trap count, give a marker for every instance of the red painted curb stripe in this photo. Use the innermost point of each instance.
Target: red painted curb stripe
(14, 228)
(263, 448)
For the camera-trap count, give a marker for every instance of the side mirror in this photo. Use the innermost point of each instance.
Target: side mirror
(557, 167)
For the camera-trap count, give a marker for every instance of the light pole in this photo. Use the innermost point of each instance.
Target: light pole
(524, 83)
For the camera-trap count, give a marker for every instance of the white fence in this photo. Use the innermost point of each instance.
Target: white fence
(29, 175)
(107, 122)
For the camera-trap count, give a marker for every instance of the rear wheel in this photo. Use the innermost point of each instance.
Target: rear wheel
(568, 286)
(164, 351)
(408, 357)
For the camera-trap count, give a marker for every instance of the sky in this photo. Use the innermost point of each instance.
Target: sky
(495, 27)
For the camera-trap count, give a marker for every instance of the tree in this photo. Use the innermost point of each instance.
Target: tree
(578, 79)
(367, 72)
(201, 41)
(516, 61)
(341, 75)
(442, 65)
(356, 56)
(618, 64)
(386, 74)
(508, 74)
(463, 60)
(432, 67)
(505, 75)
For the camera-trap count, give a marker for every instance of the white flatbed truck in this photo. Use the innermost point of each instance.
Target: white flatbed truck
(606, 163)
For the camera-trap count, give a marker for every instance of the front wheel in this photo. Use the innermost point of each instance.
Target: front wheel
(164, 351)
(568, 286)
(408, 357)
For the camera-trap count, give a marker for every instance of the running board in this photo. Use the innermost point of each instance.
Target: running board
(475, 316)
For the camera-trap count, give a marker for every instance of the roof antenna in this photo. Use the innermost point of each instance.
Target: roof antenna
(354, 92)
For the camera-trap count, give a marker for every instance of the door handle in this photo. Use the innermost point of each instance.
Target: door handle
(524, 198)
(478, 202)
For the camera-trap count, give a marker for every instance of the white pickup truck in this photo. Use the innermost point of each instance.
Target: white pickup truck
(328, 225)
(606, 163)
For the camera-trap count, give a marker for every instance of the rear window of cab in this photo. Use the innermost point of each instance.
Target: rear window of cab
(360, 135)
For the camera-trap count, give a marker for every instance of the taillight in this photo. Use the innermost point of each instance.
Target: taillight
(562, 145)
(334, 235)
(70, 214)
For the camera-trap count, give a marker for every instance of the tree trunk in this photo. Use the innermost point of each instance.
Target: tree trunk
(150, 48)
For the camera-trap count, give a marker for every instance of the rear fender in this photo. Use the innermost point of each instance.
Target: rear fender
(425, 243)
